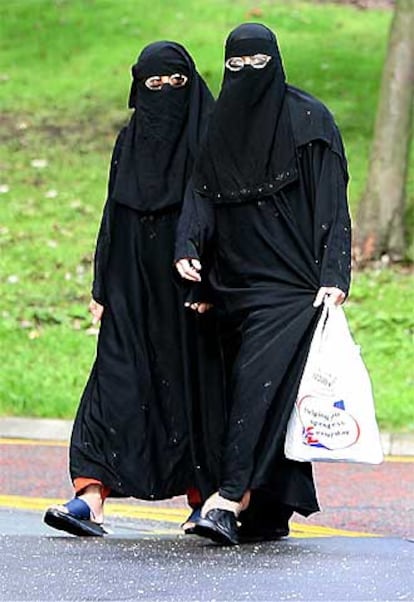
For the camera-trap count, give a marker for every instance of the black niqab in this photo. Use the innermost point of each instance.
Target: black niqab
(249, 151)
(148, 424)
(161, 138)
(268, 256)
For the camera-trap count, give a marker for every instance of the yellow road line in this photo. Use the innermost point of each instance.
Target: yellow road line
(399, 459)
(38, 442)
(165, 515)
(143, 512)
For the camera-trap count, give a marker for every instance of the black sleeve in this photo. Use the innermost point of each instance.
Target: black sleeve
(104, 234)
(327, 187)
(336, 264)
(195, 227)
(194, 236)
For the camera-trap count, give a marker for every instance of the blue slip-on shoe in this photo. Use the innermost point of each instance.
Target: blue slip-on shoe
(190, 522)
(76, 521)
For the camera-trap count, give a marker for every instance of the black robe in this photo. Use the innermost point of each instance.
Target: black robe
(145, 426)
(268, 256)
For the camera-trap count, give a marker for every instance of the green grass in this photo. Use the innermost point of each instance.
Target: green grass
(64, 82)
(380, 311)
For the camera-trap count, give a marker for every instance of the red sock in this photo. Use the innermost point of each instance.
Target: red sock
(194, 497)
(80, 483)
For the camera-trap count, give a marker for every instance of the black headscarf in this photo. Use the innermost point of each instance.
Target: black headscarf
(162, 136)
(249, 150)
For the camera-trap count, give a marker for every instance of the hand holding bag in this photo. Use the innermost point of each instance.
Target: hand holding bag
(333, 419)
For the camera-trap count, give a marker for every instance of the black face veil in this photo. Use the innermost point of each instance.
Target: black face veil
(163, 133)
(249, 150)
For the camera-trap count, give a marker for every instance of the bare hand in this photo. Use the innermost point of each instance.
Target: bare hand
(96, 310)
(330, 294)
(200, 308)
(189, 269)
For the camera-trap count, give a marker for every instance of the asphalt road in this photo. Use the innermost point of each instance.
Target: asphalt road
(145, 562)
(359, 548)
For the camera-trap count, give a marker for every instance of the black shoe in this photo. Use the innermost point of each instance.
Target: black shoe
(218, 525)
(77, 520)
(249, 534)
(264, 519)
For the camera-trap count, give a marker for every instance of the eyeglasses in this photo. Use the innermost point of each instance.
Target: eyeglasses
(257, 61)
(156, 82)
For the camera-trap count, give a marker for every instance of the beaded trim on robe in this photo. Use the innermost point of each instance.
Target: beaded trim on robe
(246, 194)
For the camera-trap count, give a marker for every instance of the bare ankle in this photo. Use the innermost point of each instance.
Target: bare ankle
(91, 490)
(92, 494)
(245, 501)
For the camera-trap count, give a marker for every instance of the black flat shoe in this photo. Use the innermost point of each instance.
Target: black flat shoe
(219, 526)
(264, 520)
(256, 535)
(77, 520)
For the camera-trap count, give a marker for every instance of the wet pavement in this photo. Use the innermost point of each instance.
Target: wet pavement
(360, 547)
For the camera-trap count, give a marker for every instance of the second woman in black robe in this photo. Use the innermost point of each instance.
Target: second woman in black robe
(145, 417)
(269, 217)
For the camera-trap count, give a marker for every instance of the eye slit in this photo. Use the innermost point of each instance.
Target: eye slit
(178, 80)
(235, 63)
(260, 60)
(154, 82)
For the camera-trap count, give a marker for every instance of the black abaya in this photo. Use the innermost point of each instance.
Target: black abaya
(270, 253)
(148, 410)
(132, 431)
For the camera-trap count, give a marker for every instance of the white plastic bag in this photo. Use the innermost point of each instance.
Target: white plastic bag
(333, 419)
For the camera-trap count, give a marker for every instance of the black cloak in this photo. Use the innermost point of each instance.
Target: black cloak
(270, 218)
(144, 416)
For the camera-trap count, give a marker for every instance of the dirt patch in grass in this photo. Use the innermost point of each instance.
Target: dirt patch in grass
(25, 129)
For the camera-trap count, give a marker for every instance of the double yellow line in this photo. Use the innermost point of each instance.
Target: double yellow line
(143, 512)
(174, 516)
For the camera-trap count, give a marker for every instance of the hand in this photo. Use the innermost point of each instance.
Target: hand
(96, 310)
(200, 308)
(189, 269)
(330, 294)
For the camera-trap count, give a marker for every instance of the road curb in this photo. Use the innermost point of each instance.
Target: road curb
(13, 427)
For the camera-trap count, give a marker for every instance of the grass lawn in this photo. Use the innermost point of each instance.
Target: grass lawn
(64, 82)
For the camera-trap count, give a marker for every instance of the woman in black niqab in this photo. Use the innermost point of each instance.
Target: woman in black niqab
(137, 430)
(270, 216)
(250, 148)
(161, 139)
